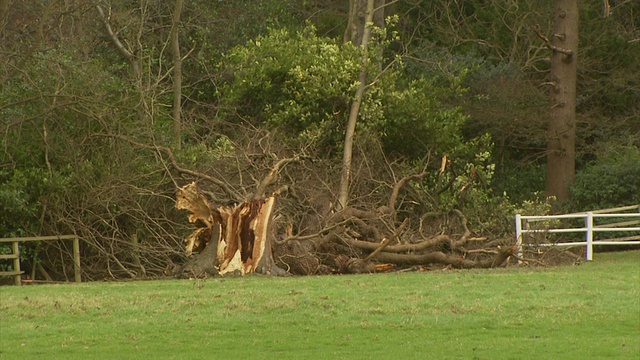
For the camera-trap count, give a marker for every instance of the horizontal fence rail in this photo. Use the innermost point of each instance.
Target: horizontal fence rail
(523, 222)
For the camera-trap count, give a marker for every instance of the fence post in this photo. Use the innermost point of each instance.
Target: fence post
(519, 237)
(16, 263)
(76, 260)
(589, 236)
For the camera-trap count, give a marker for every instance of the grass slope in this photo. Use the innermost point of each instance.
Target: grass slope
(589, 311)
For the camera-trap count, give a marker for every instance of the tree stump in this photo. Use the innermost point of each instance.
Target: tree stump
(229, 239)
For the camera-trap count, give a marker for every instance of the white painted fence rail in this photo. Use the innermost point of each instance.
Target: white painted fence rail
(522, 227)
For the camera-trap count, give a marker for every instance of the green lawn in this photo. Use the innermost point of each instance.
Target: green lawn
(591, 311)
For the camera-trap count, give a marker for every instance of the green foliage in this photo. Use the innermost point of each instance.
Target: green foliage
(497, 31)
(612, 180)
(508, 63)
(460, 71)
(304, 84)
(610, 60)
(418, 119)
(202, 153)
(521, 181)
(292, 80)
(21, 194)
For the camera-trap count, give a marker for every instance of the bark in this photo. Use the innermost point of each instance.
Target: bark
(177, 75)
(562, 123)
(229, 239)
(357, 19)
(343, 192)
(445, 259)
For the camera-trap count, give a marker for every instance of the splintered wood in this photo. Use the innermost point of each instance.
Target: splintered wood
(242, 241)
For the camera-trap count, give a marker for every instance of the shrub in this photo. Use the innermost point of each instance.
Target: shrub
(613, 179)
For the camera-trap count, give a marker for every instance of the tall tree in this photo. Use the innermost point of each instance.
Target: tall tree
(561, 151)
(177, 74)
(358, 31)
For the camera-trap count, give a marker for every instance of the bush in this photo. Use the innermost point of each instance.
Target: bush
(303, 85)
(613, 179)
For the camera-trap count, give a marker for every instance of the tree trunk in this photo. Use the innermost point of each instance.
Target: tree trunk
(229, 239)
(358, 18)
(343, 191)
(177, 75)
(562, 117)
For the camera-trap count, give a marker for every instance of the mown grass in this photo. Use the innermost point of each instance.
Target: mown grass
(589, 311)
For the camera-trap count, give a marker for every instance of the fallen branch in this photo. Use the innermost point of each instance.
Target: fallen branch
(387, 241)
(402, 248)
(396, 188)
(311, 236)
(444, 259)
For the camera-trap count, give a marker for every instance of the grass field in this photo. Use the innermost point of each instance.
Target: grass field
(591, 311)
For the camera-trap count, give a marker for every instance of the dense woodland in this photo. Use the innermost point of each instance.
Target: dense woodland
(389, 133)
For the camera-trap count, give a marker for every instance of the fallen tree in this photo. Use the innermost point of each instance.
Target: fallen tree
(245, 238)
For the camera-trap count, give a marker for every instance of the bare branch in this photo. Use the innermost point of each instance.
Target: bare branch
(271, 177)
(234, 196)
(387, 241)
(128, 55)
(551, 47)
(396, 188)
(453, 260)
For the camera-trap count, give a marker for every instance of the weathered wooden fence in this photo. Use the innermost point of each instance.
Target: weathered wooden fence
(15, 255)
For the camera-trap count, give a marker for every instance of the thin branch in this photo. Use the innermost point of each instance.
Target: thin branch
(271, 177)
(172, 159)
(387, 241)
(128, 55)
(315, 235)
(385, 5)
(551, 47)
(396, 188)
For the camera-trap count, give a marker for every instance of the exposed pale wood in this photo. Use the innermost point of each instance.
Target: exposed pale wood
(236, 235)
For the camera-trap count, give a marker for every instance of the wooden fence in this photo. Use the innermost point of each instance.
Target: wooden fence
(15, 255)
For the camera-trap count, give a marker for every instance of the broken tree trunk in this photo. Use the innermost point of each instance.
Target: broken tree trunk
(229, 239)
